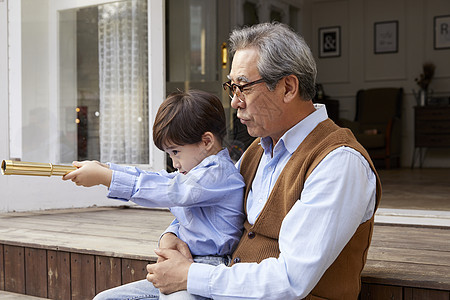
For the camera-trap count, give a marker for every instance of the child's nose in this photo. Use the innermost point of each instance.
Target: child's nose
(176, 164)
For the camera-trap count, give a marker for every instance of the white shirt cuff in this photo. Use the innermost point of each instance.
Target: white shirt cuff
(121, 186)
(199, 279)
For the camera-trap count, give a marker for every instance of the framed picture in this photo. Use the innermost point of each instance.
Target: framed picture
(386, 37)
(442, 32)
(330, 41)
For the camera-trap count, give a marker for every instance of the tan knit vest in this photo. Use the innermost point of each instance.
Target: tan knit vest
(260, 241)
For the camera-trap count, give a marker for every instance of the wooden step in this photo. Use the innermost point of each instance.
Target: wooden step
(73, 254)
(14, 296)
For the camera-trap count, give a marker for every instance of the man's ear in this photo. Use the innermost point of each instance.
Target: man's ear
(291, 88)
(208, 140)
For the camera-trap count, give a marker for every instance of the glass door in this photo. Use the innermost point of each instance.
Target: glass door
(193, 45)
(197, 33)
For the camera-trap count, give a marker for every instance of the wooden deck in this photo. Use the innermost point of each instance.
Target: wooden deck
(75, 253)
(14, 296)
(408, 262)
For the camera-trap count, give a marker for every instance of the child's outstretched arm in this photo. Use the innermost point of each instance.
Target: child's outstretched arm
(90, 173)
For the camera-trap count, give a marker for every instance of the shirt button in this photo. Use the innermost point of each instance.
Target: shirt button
(237, 260)
(251, 235)
(260, 200)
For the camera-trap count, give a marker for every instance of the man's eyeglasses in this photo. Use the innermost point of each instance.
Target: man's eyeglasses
(237, 89)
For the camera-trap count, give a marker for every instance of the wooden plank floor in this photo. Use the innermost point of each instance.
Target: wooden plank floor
(409, 256)
(76, 253)
(14, 296)
(400, 256)
(423, 189)
(116, 232)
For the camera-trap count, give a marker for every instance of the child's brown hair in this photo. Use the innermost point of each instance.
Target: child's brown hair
(185, 116)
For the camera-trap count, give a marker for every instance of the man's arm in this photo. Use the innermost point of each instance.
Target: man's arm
(178, 251)
(332, 206)
(171, 274)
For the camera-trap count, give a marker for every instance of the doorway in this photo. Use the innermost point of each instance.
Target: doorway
(197, 34)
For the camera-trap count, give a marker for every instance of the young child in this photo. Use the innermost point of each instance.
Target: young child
(206, 193)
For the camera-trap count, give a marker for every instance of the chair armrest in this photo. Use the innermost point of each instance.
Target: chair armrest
(393, 129)
(352, 125)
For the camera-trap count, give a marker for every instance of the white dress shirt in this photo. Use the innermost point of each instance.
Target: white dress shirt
(337, 197)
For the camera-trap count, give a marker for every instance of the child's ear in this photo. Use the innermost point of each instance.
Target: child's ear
(208, 139)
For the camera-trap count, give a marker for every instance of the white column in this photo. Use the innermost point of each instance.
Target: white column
(156, 73)
(14, 34)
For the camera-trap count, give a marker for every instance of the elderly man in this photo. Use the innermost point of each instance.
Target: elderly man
(311, 188)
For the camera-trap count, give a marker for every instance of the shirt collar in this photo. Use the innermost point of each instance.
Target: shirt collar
(207, 161)
(295, 135)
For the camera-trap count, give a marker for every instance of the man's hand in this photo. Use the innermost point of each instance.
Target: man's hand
(90, 173)
(170, 275)
(171, 241)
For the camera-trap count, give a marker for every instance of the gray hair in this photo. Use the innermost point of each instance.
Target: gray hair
(282, 52)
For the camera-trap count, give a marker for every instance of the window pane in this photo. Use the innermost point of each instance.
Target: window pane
(192, 40)
(88, 108)
(104, 83)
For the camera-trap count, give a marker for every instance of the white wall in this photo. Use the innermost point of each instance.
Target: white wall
(36, 84)
(29, 85)
(33, 55)
(359, 68)
(4, 112)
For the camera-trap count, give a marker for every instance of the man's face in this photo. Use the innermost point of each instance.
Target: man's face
(260, 109)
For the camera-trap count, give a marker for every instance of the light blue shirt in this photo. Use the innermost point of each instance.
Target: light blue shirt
(337, 197)
(207, 202)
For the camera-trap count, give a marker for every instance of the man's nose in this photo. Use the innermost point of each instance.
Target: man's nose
(237, 103)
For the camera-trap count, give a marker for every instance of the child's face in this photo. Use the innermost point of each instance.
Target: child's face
(186, 157)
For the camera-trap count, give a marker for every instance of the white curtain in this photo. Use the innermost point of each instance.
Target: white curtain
(122, 29)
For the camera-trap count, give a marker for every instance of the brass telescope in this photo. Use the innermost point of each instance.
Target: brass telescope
(10, 167)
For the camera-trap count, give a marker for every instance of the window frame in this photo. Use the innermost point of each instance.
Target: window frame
(156, 80)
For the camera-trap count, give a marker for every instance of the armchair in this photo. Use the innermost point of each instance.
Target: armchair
(377, 124)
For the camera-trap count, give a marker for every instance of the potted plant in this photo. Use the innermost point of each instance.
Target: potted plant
(423, 82)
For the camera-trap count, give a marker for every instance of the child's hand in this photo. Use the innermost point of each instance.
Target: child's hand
(171, 241)
(90, 173)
